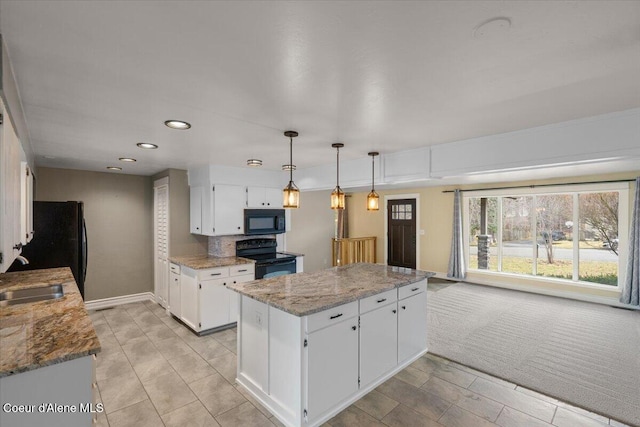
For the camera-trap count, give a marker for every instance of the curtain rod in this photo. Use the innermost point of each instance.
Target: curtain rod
(541, 185)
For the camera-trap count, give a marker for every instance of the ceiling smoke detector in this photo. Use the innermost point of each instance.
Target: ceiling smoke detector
(492, 27)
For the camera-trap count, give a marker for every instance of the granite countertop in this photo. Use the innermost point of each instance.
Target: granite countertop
(307, 293)
(37, 334)
(202, 262)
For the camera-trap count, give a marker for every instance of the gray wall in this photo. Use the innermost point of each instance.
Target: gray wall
(181, 241)
(312, 228)
(119, 215)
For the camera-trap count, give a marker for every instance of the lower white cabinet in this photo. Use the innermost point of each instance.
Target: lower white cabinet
(205, 301)
(174, 290)
(332, 360)
(378, 342)
(412, 324)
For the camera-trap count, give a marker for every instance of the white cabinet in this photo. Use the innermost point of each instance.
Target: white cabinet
(378, 336)
(189, 299)
(217, 210)
(213, 303)
(195, 210)
(26, 203)
(332, 361)
(264, 197)
(412, 321)
(307, 369)
(174, 291)
(11, 197)
(206, 303)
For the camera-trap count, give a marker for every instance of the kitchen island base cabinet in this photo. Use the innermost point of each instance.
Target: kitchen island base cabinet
(68, 383)
(307, 369)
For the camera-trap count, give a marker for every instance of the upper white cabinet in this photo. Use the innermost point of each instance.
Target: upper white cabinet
(15, 195)
(26, 204)
(264, 197)
(217, 210)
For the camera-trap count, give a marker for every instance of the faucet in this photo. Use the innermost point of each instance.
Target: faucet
(22, 260)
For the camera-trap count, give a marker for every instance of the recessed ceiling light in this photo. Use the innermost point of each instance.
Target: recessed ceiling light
(114, 168)
(254, 162)
(177, 124)
(127, 159)
(147, 145)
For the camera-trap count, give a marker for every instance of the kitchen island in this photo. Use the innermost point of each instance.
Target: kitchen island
(47, 353)
(311, 344)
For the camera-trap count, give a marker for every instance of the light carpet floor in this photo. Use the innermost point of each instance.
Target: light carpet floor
(583, 353)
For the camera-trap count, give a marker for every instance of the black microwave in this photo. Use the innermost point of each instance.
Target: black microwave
(263, 221)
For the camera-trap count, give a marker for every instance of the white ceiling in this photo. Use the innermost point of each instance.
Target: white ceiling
(97, 77)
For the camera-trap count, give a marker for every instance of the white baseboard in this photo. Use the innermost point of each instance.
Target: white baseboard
(114, 301)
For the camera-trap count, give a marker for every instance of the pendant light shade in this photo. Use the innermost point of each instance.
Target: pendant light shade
(373, 198)
(337, 196)
(291, 194)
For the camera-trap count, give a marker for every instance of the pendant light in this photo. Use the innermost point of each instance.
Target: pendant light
(291, 194)
(372, 198)
(337, 196)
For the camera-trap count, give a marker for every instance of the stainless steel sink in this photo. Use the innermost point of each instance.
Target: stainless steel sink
(40, 293)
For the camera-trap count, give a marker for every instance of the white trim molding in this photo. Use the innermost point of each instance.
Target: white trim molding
(99, 304)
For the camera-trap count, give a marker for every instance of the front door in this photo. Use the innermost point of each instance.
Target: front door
(401, 242)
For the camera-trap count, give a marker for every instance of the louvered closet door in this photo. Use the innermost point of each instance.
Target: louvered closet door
(161, 237)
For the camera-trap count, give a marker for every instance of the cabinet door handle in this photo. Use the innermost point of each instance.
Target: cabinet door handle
(242, 271)
(216, 274)
(234, 281)
(224, 284)
(354, 328)
(394, 311)
(335, 317)
(414, 289)
(238, 228)
(381, 300)
(404, 307)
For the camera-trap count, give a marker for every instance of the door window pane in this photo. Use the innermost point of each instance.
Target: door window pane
(598, 213)
(554, 215)
(517, 238)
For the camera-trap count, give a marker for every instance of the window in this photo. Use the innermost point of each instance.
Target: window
(570, 233)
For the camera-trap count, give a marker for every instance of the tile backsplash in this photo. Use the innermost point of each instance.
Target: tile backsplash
(226, 245)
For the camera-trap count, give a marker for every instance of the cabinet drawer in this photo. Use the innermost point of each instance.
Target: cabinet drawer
(412, 289)
(242, 269)
(378, 300)
(333, 315)
(213, 273)
(175, 268)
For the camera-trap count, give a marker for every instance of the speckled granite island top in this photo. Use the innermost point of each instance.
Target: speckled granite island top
(202, 262)
(307, 293)
(37, 334)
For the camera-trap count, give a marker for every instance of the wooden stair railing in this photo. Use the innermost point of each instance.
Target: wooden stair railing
(353, 249)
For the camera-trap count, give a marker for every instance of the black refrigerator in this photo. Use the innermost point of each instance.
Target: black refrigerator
(59, 240)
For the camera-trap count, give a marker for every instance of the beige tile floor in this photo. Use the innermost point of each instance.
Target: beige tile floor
(153, 371)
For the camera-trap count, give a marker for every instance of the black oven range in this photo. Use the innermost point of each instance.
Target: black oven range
(269, 263)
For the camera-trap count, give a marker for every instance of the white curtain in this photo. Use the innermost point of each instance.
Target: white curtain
(456, 259)
(631, 288)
